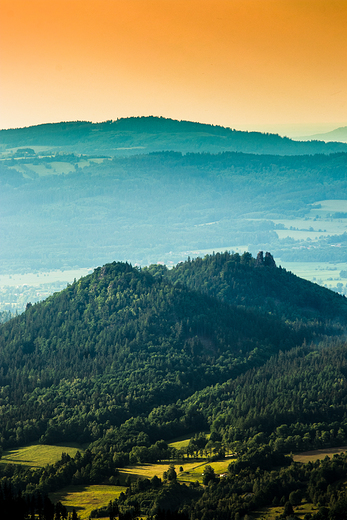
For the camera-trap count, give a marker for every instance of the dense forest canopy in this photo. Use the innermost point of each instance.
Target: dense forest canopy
(134, 340)
(141, 339)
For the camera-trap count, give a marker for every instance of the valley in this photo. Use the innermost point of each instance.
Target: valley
(64, 211)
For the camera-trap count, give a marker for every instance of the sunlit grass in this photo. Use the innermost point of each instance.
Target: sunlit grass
(271, 513)
(38, 455)
(86, 498)
(182, 442)
(192, 470)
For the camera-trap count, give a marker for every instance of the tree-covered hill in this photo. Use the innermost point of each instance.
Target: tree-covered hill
(147, 134)
(123, 341)
(257, 282)
(120, 342)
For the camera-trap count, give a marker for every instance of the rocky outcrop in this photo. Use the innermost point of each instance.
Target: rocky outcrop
(267, 261)
(259, 261)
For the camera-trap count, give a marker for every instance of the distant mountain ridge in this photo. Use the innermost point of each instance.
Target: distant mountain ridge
(337, 135)
(150, 134)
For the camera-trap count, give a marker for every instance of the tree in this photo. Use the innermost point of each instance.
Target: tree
(171, 473)
(288, 509)
(208, 475)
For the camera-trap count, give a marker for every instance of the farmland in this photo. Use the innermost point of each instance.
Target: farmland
(38, 455)
(86, 498)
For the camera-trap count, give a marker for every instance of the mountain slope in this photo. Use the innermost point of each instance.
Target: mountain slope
(242, 280)
(116, 344)
(125, 358)
(149, 134)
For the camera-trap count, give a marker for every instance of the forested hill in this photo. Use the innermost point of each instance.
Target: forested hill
(244, 280)
(121, 341)
(148, 134)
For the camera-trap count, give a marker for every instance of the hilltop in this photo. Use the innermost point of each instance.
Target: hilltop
(257, 283)
(134, 340)
(135, 135)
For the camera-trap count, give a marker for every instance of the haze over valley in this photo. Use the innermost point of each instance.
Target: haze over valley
(147, 190)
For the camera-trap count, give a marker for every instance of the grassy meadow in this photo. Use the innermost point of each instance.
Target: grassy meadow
(192, 470)
(318, 272)
(182, 442)
(311, 456)
(38, 455)
(271, 513)
(86, 498)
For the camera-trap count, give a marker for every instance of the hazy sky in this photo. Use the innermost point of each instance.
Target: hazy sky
(238, 63)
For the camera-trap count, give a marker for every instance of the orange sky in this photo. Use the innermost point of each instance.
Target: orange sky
(239, 63)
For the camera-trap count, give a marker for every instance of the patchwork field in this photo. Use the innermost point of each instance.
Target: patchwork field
(192, 471)
(86, 498)
(318, 272)
(311, 456)
(38, 455)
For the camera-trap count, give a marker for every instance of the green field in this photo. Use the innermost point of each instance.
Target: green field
(86, 498)
(311, 456)
(38, 455)
(323, 273)
(182, 442)
(192, 471)
(271, 513)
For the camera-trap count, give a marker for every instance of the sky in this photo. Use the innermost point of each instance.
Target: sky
(246, 64)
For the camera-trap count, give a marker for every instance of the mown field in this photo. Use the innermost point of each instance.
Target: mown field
(311, 456)
(86, 498)
(38, 455)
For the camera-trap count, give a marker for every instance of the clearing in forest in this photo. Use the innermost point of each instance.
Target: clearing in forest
(311, 456)
(86, 498)
(192, 471)
(38, 455)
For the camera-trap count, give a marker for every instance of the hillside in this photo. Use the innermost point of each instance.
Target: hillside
(130, 340)
(127, 341)
(149, 134)
(126, 358)
(257, 283)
